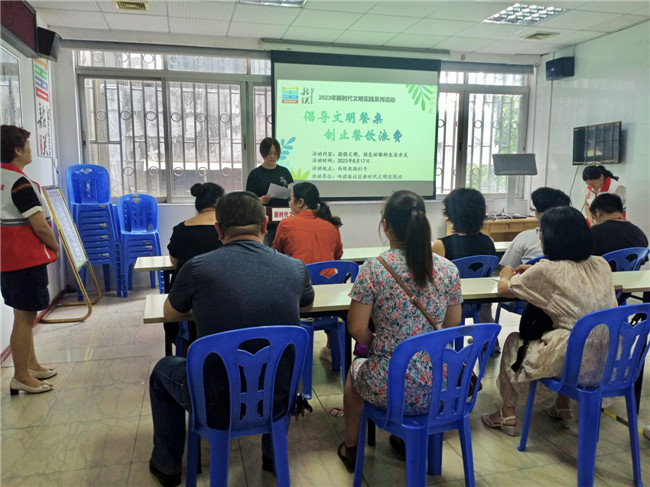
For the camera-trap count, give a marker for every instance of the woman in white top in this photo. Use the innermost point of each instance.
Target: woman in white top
(600, 180)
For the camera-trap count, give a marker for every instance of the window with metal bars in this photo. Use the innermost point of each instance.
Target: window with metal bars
(160, 135)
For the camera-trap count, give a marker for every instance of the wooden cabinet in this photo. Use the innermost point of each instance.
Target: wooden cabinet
(504, 230)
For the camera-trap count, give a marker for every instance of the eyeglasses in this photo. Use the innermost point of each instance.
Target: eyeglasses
(533, 209)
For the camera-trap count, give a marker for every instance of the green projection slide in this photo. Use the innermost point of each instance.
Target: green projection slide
(334, 131)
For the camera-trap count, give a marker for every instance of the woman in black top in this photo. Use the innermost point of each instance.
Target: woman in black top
(198, 234)
(261, 177)
(465, 208)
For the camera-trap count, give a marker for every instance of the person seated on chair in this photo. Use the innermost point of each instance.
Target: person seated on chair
(611, 230)
(465, 208)
(226, 289)
(194, 236)
(311, 234)
(526, 245)
(377, 295)
(567, 284)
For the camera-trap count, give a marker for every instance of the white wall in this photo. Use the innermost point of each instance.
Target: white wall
(611, 82)
(42, 170)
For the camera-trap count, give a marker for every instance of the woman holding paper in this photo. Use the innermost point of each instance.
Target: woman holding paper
(262, 177)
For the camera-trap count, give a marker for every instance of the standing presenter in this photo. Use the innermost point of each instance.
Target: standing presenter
(28, 245)
(268, 173)
(599, 180)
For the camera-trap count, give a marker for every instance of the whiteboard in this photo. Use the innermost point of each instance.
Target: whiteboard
(65, 224)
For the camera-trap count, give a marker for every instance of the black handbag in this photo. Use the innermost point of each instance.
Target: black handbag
(533, 324)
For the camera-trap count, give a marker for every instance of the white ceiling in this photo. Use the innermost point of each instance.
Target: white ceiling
(392, 25)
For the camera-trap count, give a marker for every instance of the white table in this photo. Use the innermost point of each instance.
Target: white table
(355, 254)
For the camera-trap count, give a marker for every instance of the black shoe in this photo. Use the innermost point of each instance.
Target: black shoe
(267, 465)
(398, 444)
(165, 480)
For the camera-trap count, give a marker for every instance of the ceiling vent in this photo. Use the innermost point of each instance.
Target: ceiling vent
(540, 36)
(133, 6)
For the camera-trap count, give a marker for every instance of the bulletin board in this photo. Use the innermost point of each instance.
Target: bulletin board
(74, 249)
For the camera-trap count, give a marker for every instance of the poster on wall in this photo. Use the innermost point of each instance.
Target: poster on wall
(43, 108)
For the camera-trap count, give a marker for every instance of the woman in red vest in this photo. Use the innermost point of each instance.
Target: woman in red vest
(28, 245)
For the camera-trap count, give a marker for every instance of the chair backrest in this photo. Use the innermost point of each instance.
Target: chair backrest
(137, 212)
(476, 266)
(449, 401)
(344, 268)
(626, 351)
(535, 260)
(629, 259)
(251, 376)
(88, 183)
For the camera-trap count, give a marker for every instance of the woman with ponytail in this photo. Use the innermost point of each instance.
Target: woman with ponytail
(599, 180)
(376, 295)
(312, 233)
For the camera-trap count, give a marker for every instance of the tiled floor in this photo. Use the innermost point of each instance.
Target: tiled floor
(95, 428)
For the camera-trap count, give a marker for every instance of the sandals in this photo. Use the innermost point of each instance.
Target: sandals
(559, 413)
(509, 429)
(348, 455)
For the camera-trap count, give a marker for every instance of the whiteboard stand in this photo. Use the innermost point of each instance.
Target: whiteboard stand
(75, 251)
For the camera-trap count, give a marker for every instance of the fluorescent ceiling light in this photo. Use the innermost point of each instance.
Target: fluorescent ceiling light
(524, 14)
(275, 3)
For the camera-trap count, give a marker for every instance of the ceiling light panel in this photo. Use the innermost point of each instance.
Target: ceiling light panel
(275, 3)
(520, 14)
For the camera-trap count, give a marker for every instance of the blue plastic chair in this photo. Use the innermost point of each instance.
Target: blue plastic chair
(627, 351)
(251, 381)
(89, 199)
(472, 267)
(139, 236)
(335, 325)
(449, 406)
(88, 184)
(629, 259)
(518, 306)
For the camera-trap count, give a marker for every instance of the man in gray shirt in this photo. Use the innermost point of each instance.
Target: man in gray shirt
(242, 284)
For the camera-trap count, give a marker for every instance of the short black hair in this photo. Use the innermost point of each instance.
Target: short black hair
(565, 234)
(206, 194)
(465, 208)
(267, 143)
(545, 198)
(607, 203)
(11, 138)
(239, 209)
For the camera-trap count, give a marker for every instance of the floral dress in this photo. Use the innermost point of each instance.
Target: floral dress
(396, 318)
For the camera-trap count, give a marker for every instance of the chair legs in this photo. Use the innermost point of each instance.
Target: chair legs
(435, 454)
(361, 445)
(630, 402)
(193, 447)
(466, 448)
(587, 439)
(527, 416)
(307, 368)
(280, 452)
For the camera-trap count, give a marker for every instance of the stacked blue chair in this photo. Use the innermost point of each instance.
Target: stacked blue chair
(449, 404)
(251, 381)
(89, 198)
(139, 236)
(518, 306)
(345, 269)
(628, 346)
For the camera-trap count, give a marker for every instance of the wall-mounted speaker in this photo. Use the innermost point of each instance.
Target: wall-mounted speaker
(49, 43)
(562, 67)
